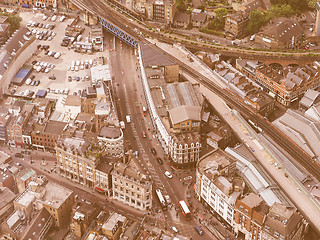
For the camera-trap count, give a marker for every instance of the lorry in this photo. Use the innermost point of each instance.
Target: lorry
(128, 118)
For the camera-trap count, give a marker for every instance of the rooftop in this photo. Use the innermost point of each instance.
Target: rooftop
(110, 132)
(152, 57)
(73, 100)
(56, 195)
(54, 127)
(6, 197)
(113, 220)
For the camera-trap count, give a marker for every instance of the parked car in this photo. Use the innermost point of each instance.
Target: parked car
(199, 230)
(144, 135)
(153, 151)
(160, 161)
(37, 83)
(168, 174)
(19, 155)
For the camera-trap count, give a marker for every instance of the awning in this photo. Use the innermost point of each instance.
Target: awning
(99, 189)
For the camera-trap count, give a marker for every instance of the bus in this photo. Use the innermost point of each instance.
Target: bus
(161, 199)
(185, 210)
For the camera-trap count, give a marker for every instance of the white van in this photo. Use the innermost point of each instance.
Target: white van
(44, 18)
(62, 18)
(128, 118)
(78, 63)
(39, 69)
(28, 81)
(57, 55)
(79, 38)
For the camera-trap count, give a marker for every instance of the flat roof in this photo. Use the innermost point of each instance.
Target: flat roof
(151, 57)
(56, 194)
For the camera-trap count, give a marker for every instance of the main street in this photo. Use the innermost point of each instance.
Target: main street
(130, 98)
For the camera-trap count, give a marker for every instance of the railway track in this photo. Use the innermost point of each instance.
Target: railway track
(279, 137)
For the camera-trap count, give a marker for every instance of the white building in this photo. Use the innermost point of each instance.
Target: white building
(214, 183)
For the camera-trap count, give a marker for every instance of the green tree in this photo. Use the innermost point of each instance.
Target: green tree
(218, 22)
(256, 20)
(284, 10)
(181, 6)
(13, 19)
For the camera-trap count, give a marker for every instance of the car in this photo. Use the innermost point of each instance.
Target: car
(44, 18)
(199, 230)
(47, 70)
(48, 90)
(72, 68)
(153, 151)
(73, 78)
(174, 229)
(78, 78)
(34, 62)
(19, 155)
(52, 77)
(144, 134)
(82, 67)
(79, 92)
(57, 91)
(37, 83)
(69, 78)
(32, 83)
(168, 174)
(75, 93)
(28, 81)
(49, 38)
(76, 68)
(160, 161)
(87, 77)
(32, 77)
(40, 25)
(68, 68)
(52, 91)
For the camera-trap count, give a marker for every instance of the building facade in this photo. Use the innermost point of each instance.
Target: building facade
(285, 84)
(214, 183)
(131, 187)
(161, 10)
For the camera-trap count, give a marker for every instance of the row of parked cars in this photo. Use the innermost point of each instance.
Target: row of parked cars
(58, 91)
(41, 25)
(43, 66)
(81, 65)
(77, 78)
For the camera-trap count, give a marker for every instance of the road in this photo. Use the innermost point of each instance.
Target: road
(130, 99)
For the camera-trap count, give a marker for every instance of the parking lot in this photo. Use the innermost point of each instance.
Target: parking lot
(55, 74)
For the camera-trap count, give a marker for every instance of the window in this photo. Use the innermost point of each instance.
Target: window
(267, 228)
(246, 211)
(241, 208)
(276, 234)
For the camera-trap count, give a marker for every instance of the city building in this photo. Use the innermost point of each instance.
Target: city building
(235, 23)
(198, 18)
(161, 10)
(34, 3)
(6, 203)
(283, 222)
(21, 112)
(285, 84)
(175, 108)
(309, 99)
(181, 19)
(131, 186)
(81, 161)
(215, 185)
(83, 214)
(4, 119)
(281, 33)
(302, 130)
(112, 228)
(317, 23)
(23, 178)
(249, 216)
(14, 54)
(246, 88)
(112, 140)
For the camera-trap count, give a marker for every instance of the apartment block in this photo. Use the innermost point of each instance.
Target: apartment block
(160, 10)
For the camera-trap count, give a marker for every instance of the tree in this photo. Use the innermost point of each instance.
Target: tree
(218, 22)
(284, 10)
(13, 19)
(256, 21)
(181, 6)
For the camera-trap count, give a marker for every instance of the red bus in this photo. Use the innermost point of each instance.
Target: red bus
(185, 210)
